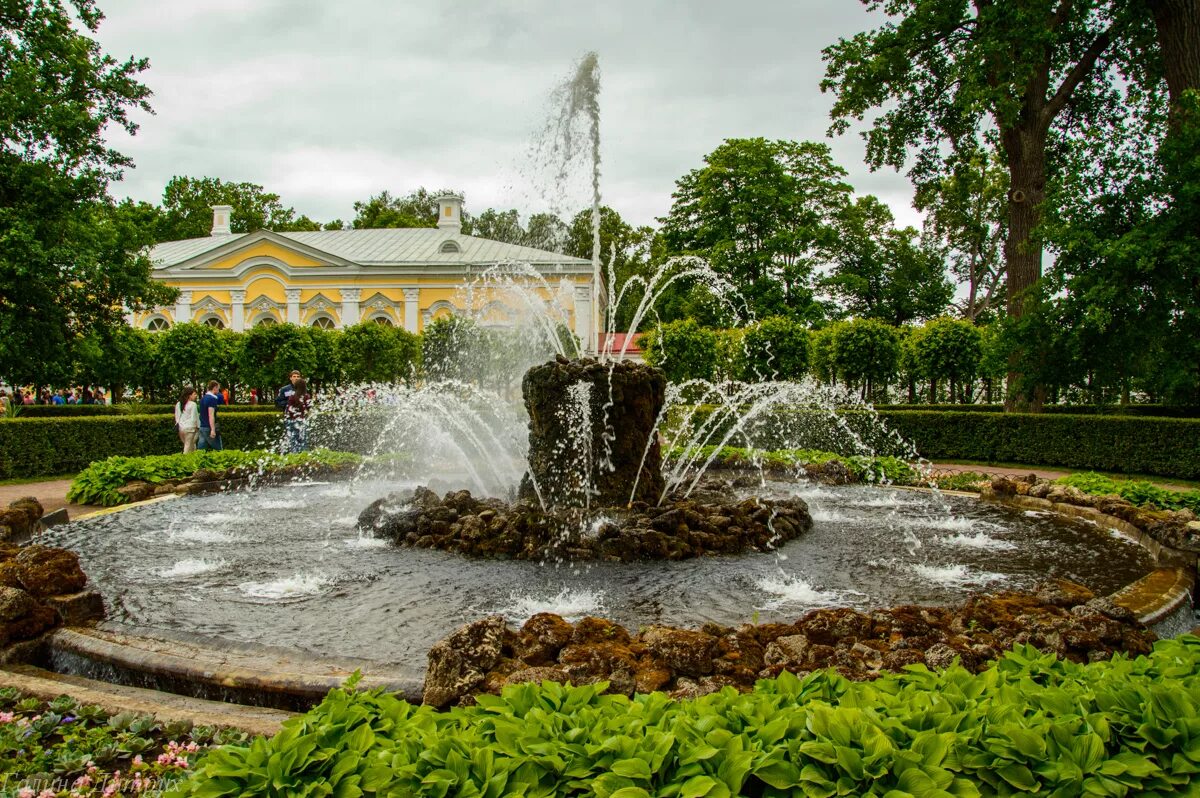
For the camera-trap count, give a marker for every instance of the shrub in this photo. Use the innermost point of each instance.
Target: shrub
(37, 447)
(776, 348)
(1030, 724)
(373, 352)
(99, 482)
(865, 351)
(948, 349)
(683, 350)
(1141, 493)
(452, 348)
(270, 352)
(1169, 447)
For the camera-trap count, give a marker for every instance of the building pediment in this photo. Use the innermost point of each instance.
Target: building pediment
(260, 248)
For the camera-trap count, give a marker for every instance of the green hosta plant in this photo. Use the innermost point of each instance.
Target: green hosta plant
(1030, 724)
(1141, 493)
(99, 482)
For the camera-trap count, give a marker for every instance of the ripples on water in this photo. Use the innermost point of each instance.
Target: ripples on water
(285, 566)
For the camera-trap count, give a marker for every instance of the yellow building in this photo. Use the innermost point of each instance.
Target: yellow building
(334, 278)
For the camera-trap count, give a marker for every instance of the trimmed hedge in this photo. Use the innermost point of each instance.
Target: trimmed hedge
(1029, 724)
(79, 411)
(1168, 447)
(41, 446)
(1157, 411)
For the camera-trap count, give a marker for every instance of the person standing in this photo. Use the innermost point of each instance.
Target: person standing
(187, 419)
(296, 416)
(210, 429)
(285, 393)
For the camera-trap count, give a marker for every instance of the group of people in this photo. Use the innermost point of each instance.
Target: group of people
(199, 426)
(85, 395)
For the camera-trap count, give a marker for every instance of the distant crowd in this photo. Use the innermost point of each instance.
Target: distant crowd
(87, 395)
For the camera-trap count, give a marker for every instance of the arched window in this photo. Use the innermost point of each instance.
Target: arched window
(384, 320)
(451, 246)
(265, 321)
(214, 322)
(157, 324)
(324, 322)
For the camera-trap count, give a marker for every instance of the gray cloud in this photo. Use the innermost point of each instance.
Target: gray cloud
(326, 103)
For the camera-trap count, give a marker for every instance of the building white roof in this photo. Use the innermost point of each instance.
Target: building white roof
(387, 247)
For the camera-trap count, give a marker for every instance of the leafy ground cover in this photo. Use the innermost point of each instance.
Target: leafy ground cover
(1141, 493)
(99, 483)
(1030, 723)
(62, 749)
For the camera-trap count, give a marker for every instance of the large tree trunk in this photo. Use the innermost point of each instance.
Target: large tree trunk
(1025, 150)
(1178, 24)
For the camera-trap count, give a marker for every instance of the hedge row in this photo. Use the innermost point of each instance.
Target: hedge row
(1158, 411)
(79, 411)
(1168, 447)
(43, 446)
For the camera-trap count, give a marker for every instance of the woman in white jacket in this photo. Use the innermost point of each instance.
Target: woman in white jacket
(187, 419)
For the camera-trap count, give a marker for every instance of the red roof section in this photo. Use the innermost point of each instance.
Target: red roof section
(613, 343)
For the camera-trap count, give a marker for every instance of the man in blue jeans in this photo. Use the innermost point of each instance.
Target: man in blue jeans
(210, 431)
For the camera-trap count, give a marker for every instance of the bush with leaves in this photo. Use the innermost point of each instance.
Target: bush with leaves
(777, 348)
(373, 352)
(453, 348)
(1031, 723)
(683, 350)
(866, 352)
(950, 350)
(270, 352)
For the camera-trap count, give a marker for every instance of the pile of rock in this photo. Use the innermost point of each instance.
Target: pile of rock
(1061, 617)
(1177, 529)
(40, 588)
(20, 519)
(676, 530)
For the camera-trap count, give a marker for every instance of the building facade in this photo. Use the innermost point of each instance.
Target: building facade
(335, 278)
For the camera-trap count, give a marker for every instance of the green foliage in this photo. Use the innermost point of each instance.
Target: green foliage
(47, 745)
(453, 348)
(416, 209)
(776, 348)
(761, 213)
(1133, 445)
(70, 257)
(98, 483)
(683, 350)
(948, 349)
(1138, 492)
(31, 447)
(270, 352)
(373, 352)
(188, 202)
(881, 271)
(865, 351)
(1031, 723)
(188, 354)
(863, 468)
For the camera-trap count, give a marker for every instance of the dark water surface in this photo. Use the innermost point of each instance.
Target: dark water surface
(285, 566)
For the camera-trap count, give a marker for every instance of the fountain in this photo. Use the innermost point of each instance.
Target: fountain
(599, 495)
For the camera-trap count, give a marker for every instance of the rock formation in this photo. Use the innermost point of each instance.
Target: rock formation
(1059, 617)
(589, 423)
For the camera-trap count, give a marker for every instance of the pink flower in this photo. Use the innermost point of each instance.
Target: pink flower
(6, 717)
(47, 793)
(25, 792)
(83, 781)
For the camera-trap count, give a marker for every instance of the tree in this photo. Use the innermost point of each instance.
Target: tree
(327, 366)
(951, 350)
(776, 348)
(188, 354)
(68, 254)
(882, 272)
(452, 348)
(497, 225)
(947, 71)
(416, 209)
(270, 352)
(373, 352)
(188, 202)
(683, 350)
(119, 357)
(964, 211)
(760, 211)
(866, 353)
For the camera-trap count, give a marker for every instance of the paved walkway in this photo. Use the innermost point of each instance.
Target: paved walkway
(51, 493)
(999, 471)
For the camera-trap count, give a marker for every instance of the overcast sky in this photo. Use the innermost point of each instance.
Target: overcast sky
(326, 102)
